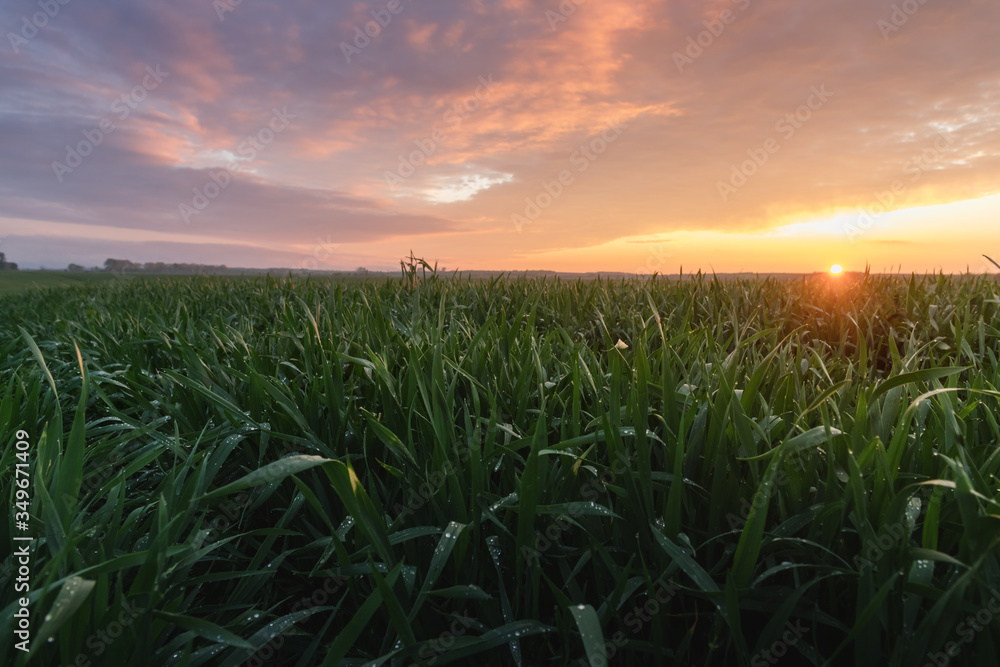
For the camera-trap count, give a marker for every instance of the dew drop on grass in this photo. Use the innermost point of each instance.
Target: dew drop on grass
(512, 498)
(913, 511)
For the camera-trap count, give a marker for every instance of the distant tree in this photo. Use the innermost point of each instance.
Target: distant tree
(361, 271)
(125, 266)
(120, 265)
(5, 265)
(74, 268)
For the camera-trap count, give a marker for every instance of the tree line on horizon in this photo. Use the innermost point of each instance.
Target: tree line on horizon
(126, 266)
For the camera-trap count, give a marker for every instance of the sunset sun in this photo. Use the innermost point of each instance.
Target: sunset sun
(836, 269)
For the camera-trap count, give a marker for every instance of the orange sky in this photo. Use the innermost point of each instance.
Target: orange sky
(732, 135)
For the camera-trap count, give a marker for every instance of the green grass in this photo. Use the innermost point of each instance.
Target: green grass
(15, 282)
(514, 471)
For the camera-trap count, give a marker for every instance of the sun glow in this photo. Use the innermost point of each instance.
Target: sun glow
(836, 269)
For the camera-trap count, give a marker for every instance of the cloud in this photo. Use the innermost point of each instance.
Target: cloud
(702, 88)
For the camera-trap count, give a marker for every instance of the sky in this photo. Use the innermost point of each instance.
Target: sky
(582, 135)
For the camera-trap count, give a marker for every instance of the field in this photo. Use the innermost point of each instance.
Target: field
(518, 471)
(15, 282)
